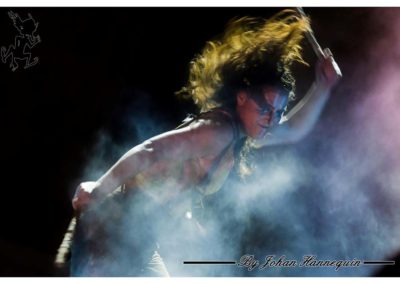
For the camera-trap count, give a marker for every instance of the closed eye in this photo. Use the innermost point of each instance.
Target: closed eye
(265, 110)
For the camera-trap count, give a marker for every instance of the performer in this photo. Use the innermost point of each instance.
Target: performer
(242, 84)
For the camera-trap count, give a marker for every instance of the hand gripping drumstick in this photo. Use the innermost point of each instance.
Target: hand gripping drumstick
(315, 45)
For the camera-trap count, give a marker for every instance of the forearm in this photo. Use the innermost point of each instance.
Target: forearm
(130, 164)
(173, 146)
(303, 116)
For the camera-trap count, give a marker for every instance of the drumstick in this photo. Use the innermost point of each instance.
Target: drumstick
(310, 37)
(65, 247)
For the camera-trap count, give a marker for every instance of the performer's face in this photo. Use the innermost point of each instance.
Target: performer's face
(260, 113)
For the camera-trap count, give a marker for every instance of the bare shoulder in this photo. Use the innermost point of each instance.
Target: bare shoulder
(207, 135)
(213, 131)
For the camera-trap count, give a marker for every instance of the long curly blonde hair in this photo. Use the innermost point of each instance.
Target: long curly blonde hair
(249, 46)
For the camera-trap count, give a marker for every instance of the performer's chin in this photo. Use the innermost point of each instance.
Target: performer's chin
(263, 133)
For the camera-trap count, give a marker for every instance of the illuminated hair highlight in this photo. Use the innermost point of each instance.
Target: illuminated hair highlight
(251, 52)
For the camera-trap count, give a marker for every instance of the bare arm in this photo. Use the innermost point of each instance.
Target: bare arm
(303, 116)
(202, 138)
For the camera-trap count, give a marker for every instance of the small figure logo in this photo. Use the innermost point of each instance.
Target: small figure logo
(23, 42)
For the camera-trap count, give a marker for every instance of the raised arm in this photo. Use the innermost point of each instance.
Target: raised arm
(201, 138)
(303, 116)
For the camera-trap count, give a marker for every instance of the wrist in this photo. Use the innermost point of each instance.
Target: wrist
(322, 87)
(105, 185)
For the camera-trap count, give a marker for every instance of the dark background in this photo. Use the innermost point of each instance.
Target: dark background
(95, 66)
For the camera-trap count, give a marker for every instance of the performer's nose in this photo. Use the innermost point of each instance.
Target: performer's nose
(266, 119)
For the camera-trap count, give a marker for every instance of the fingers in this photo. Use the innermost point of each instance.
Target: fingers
(337, 69)
(328, 72)
(82, 197)
(328, 53)
(80, 201)
(75, 204)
